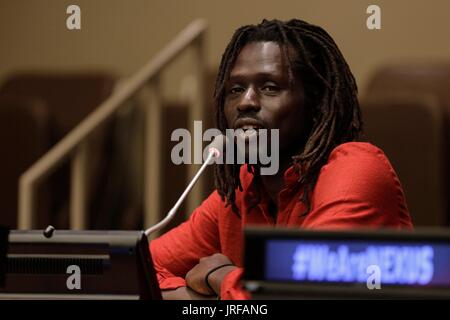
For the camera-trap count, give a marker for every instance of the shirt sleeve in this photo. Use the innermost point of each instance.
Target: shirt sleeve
(231, 288)
(179, 250)
(358, 188)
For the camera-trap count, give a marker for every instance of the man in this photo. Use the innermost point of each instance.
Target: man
(288, 76)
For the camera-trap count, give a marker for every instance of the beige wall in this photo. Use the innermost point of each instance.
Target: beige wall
(122, 34)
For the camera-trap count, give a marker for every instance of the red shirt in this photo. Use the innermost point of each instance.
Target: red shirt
(356, 188)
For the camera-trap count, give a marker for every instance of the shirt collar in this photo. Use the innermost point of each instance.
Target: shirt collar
(290, 177)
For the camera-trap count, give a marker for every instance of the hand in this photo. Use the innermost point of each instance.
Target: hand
(195, 278)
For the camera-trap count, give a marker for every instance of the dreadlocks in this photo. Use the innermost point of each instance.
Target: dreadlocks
(330, 97)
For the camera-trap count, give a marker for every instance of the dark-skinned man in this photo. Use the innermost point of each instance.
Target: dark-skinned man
(292, 77)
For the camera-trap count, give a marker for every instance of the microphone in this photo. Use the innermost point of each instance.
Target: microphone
(214, 151)
(215, 148)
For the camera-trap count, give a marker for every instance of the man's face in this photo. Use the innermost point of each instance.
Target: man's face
(259, 96)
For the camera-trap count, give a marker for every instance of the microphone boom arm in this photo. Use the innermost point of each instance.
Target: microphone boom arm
(174, 209)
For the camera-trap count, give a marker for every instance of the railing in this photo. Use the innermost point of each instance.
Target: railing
(145, 85)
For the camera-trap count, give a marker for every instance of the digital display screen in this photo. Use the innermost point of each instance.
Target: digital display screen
(418, 264)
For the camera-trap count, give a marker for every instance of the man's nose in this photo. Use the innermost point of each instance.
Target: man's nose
(249, 101)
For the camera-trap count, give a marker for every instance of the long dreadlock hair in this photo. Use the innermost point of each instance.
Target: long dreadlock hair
(330, 98)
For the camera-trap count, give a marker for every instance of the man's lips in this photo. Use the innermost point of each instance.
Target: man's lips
(248, 123)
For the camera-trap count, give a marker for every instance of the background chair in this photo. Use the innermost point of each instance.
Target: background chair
(24, 137)
(36, 112)
(406, 112)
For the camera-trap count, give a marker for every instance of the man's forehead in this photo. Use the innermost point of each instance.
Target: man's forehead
(260, 57)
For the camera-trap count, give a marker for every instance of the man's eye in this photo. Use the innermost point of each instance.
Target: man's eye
(236, 90)
(270, 88)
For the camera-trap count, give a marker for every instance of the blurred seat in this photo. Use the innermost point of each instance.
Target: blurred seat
(407, 112)
(24, 137)
(68, 98)
(409, 127)
(431, 78)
